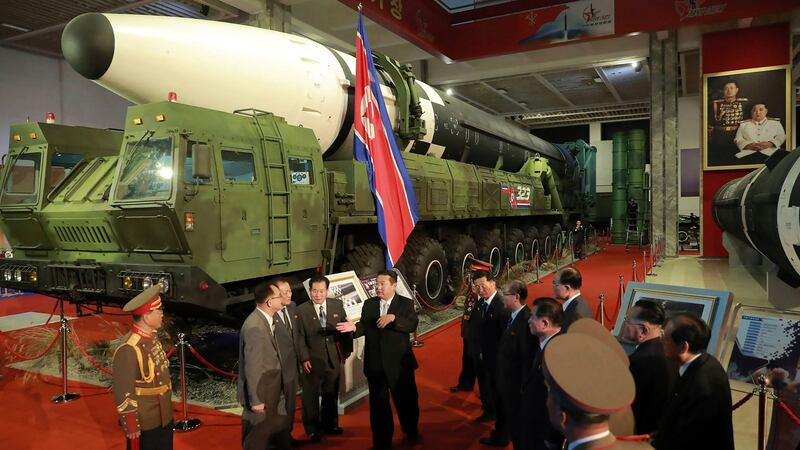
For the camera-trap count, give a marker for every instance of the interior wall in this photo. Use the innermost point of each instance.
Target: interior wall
(688, 137)
(32, 85)
(734, 50)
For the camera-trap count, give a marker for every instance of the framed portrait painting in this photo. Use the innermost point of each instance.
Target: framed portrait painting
(746, 116)
(710, 305)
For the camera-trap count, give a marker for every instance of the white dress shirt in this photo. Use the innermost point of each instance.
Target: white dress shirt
(324, 305)
(566, 303)
(385, 304)
(591, 438)
(750, 132)
(269, 318)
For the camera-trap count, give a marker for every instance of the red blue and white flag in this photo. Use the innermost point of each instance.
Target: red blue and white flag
(375, 145)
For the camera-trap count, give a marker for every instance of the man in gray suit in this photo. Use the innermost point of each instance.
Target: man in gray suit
(267, 374)
(567, 288)
(322, 351)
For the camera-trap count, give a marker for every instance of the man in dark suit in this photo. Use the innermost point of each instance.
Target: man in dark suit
(486, 325)
(652, 372)
(321, 351)
(267, 382)
(515, 353)
(537, 433)
(567, 288)
(466, 379)
(387, 321)
(578, 238)
(698, 412)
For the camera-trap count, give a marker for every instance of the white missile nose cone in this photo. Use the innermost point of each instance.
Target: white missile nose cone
(88, 44)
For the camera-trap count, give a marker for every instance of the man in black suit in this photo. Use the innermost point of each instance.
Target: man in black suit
(486, 325)
(321, 351)
(567, 288)
(466, 379)
(267, 382)
(698, 412)
(537, 433)
(652, 372)
(387, 321)
(578, 238)
(515, 353)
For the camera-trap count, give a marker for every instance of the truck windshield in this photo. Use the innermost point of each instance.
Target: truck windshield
(22, 183)
(147, 170)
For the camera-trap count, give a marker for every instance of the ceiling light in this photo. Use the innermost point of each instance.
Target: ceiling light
(636, 64)
(15, 27)
(598, 80)
(502, 91)
(523, 104)
(449, 91)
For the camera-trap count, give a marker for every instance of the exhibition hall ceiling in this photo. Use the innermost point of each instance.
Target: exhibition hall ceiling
(560, 92)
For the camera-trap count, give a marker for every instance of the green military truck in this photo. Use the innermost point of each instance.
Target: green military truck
(209, 203)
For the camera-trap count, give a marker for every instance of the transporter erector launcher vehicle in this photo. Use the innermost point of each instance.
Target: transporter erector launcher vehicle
(251, 175)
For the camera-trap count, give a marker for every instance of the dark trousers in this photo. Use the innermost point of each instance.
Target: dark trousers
(466, 379)
(320, 382)
(577, 246)
(261, 431)
(485, 385)
(155, 439)
(511, 425)
(406, 402)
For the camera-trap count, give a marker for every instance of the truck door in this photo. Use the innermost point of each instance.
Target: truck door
(242, 218)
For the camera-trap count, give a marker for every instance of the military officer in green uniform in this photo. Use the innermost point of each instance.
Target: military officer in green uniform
(142, 387)
(728, 114)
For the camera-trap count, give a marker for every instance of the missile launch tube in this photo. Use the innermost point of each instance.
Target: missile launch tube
(763, 210)
(226, 66)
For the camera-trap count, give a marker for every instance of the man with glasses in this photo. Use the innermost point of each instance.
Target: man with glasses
(515, 353)
(267, 383)
(537, 433)
(288, 316)
(322, 351)
(486, 326)
(567, 288)
(141, 381)
(652, 373)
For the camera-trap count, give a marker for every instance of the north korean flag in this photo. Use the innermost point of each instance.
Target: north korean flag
(375, 145)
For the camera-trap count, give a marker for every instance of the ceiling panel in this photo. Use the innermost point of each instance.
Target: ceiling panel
(630, 84)
(579, 86)
(486, 96)
(529, 90)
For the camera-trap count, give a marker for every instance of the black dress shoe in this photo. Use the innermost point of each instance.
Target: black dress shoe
(413, 437)
(491, 442)
(334, 431)
(294, 442)
(315, 437)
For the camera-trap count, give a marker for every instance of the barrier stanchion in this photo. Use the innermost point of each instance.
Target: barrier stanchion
(572, 247)
(635, 276)
(64, 397)
(762, 412)
(507, 268)
(417, 308)
(536, 263)
(602, 311)
(558, 251)
(185, 424)
(644, 265)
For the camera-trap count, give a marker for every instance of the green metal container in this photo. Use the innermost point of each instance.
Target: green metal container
(619, 183)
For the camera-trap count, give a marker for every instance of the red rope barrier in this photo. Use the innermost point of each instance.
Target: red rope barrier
(741, 402)
(789, 412)
(171, 352)
(634, 438)
(212, 367)
(24, 357)
(86, 355)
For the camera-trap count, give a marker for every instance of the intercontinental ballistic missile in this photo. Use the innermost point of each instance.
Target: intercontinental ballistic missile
(763, 209)
(227, 67)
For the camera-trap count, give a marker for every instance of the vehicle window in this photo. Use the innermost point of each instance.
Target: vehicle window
(61, 166)
(238, 166)
(302, 170)
(187, 167)
(22, 184)
(147, 170)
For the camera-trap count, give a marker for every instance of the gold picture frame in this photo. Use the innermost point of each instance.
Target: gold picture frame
(770, 85)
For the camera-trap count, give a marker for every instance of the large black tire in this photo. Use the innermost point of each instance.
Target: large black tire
(490, 249)
(459, 247)
(365, 259)
(424, 264)
(531, 234)
(515, 246)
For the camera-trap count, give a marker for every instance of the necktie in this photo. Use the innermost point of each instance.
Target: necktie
(485, 308)
(286, 320)
(510, 320)
(384, 307)
(322, 319)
